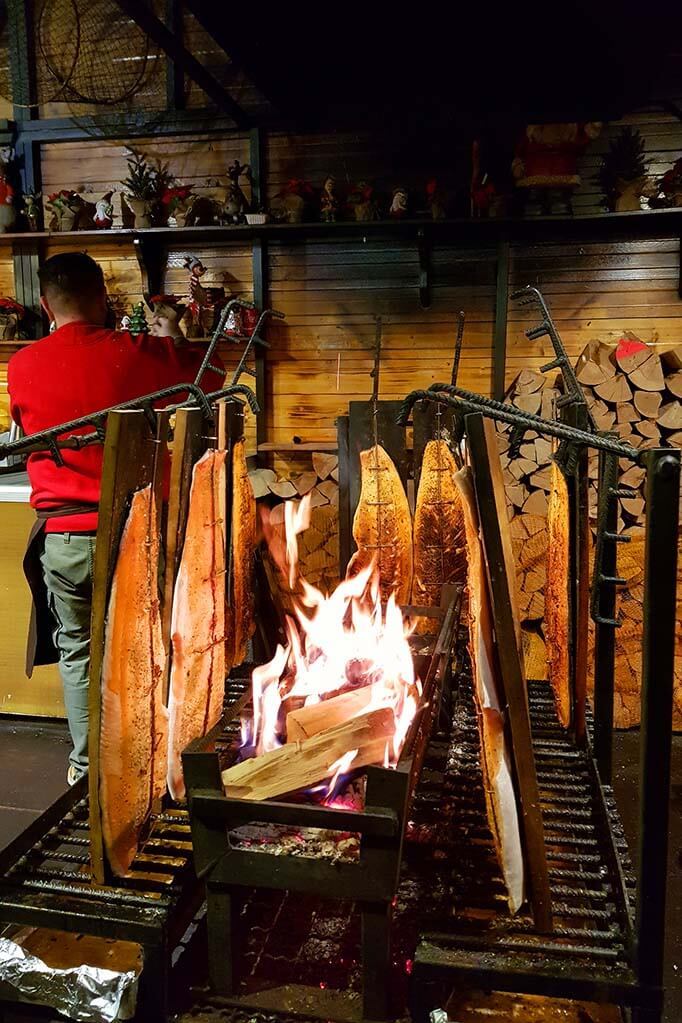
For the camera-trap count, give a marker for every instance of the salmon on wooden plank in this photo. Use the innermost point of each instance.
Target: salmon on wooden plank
(439, 537)
(556, 595)
(134, 722)
(198, 622)
(244, 530)
(382, 527)
(500, 797)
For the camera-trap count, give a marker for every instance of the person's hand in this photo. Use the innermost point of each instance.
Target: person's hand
(165, 323)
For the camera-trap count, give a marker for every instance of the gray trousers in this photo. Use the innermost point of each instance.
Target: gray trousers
(67, 562)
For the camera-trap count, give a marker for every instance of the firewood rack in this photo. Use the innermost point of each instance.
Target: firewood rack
(608, 937)
(371, 880)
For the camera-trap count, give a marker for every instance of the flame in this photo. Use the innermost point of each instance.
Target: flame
(335, 643)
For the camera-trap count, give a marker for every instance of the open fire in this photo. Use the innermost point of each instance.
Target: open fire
(347, 660)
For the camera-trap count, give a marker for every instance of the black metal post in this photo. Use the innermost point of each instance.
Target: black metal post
(260, 272)
(604, 633)
(658, 661)
(376, 958)
(500, 337)
(576, 415)
(175, 79)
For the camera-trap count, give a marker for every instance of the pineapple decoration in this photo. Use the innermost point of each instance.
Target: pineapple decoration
(138, 321)
(623, 173)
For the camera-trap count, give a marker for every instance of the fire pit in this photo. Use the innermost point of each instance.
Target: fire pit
(339, 832)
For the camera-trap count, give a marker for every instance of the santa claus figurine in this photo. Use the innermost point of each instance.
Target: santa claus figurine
(546, 161)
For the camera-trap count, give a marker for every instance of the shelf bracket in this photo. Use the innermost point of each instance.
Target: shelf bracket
(148, 252)
(424, 250)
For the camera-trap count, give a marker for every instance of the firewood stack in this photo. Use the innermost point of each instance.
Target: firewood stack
(318, 546)
(636, 393)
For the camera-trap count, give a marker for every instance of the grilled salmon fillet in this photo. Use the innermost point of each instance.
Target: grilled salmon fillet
(382, 527)
(198, 623)
(134, 725)
(439, 537)
(500, 798)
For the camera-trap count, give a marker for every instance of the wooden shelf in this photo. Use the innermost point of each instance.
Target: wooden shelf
(307, 446)
(542, 228)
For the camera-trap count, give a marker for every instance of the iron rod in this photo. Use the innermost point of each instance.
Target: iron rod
(605, 636)
(658, 663)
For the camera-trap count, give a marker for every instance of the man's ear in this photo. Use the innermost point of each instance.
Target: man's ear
(46, 308)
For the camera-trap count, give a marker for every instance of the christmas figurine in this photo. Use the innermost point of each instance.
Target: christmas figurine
(329, 204)
(399, 203)
(138, 321)
(125, 322)
(104, 212)
(435, 197)
(32, 210)
(7, 211)
(363, 202)
(545, 166)
(236, 203)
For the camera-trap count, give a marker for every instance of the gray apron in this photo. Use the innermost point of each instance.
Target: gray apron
(40, 647)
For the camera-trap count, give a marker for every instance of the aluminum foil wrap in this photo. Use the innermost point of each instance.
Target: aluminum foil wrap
(84, 993)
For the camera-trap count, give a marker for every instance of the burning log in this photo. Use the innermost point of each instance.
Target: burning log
(356, 743)
(317, 717)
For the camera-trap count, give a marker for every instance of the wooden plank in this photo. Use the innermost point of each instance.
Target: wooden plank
(129, 457)
(490, 498)
(189, 444)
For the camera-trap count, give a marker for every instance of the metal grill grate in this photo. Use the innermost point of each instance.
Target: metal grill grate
(590, 945)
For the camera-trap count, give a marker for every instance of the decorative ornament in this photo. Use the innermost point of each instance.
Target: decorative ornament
(668, 191)
(11, 316)
(7, 212)
(125, 322)
(398, 207)
(104, 212)
(329, 203)
(546, 162)
(32, 210)
(623, 172)
(146, 186)
(435, 197)
(138, 320)
(179, 202)
(65, 207)
(236, 203)
(365, 206)
(293, 201)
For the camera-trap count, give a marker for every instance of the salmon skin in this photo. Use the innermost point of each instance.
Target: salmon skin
(244, 531)
(198, 622)
(557, 618)
(382, 527)
(134, 724)
(439, 537)
(500, 797)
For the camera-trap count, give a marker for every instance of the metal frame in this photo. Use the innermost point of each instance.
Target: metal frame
(639, 982)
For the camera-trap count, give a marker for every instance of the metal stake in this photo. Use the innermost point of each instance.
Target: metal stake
(658, 663)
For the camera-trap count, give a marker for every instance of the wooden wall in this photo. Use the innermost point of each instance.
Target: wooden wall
(596, 291)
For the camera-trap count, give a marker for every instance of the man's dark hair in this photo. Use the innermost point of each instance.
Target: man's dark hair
(73, 275)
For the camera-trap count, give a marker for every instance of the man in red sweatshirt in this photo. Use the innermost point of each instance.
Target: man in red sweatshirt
(82, 367)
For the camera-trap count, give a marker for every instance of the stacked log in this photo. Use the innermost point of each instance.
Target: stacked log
(527, 479)
(318, 545)
(636, 393)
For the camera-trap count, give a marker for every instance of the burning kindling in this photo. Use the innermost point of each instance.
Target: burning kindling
(340, 696)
